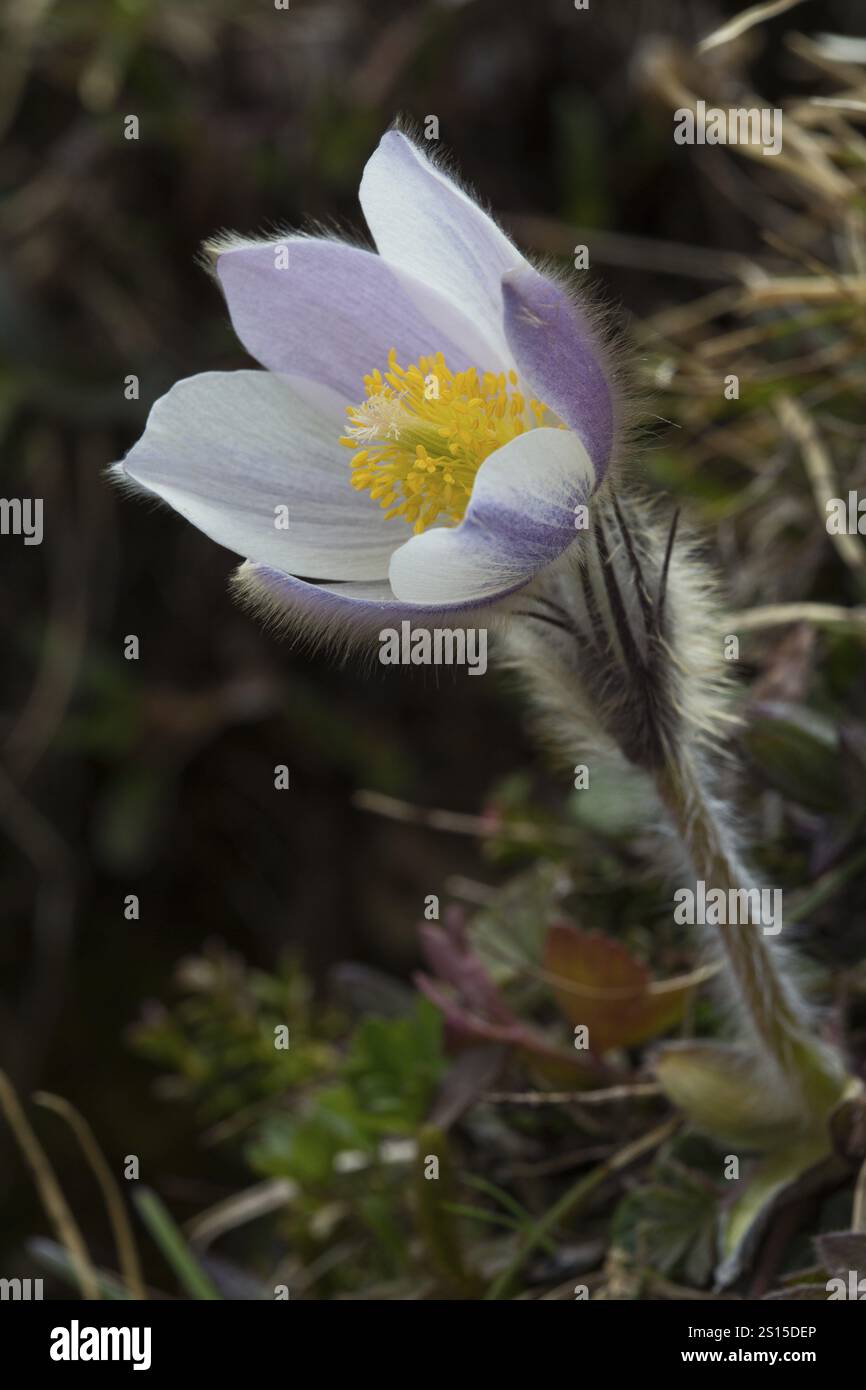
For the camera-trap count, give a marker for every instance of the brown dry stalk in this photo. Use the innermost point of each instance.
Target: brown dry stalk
(50, 1190)
(127, 1252)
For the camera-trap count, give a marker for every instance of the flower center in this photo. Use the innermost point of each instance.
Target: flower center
(426, 431)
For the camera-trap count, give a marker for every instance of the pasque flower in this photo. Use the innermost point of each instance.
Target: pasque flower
(428, 421)
(434, 419)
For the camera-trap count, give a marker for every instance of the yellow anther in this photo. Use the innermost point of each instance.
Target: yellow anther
(427, 431)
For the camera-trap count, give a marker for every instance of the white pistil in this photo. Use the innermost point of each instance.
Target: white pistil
(380, 417)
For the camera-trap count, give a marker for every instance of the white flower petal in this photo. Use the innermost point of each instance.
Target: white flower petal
(319, 309)
(561, 357)
(521, 516)
(347, 615)
(426, 227)
(227, 449)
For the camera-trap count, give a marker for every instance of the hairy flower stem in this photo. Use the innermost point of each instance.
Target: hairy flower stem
(614, 646)
(783, 1032)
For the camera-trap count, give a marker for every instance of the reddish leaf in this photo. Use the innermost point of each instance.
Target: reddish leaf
(597, 982)
(476, 1011)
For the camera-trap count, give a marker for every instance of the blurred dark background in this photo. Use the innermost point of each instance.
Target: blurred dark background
(155, 777)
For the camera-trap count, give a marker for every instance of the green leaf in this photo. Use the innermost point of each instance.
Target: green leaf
(619, 801)
(670, 1228)
(776, 1178)
(798, 752)
(169, 1237)
(436, 1221)
(508, 934)
(394, 1066)
(716, 1085)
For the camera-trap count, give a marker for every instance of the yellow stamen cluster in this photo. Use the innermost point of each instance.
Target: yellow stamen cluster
(426, 431)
